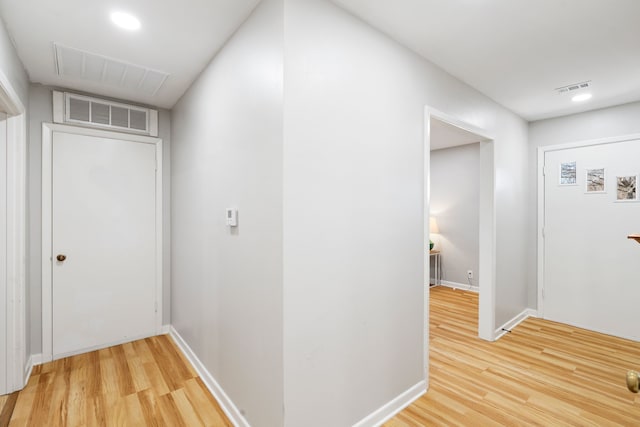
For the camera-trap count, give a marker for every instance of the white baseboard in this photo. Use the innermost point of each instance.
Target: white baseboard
(230, 409)
(166, 329)
(390, 409)
(526, 313)
(34, 360)
(462, 286)
(37, 359)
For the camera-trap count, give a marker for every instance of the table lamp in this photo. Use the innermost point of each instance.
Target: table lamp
(433, 229)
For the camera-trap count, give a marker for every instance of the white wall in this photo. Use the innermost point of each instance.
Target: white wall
(455, 203)
(13, 71)
(603, 123)
(227, 152)
(11, 66)
(4, 384)
(353, 213)
(41, 110)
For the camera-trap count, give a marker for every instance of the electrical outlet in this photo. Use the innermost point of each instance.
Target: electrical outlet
(469, 274)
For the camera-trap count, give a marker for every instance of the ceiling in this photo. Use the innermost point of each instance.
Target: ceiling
(443, 135)
(514, 51)
(177, 37)
(518, 51)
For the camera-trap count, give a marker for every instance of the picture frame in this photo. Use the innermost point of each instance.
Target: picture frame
(568, 173)
(595, 180)
(627, 188)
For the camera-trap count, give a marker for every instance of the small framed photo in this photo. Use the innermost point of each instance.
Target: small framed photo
(568, 173)
(627, 188)
(595, 181)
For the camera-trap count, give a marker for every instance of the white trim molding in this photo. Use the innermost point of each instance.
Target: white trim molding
(34, 360)
(16, 173)
(390, 409)
(507, 327)
(460, 286)
(228, 407)
(47, 293)
(16, 247)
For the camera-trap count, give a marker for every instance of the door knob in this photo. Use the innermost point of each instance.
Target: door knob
(61, 257)
(633, 381)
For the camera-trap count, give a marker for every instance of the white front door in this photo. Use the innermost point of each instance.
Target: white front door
(591, 269)
(103, 242)
(4, 386)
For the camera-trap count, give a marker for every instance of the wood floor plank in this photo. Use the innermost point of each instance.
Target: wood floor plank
(7, 405)
(543, 373)
(3, 401)
(186, 409)
(144, 383)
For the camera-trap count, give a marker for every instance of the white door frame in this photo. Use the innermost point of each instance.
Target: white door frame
(542, 151)
(18, 368)
(47, 193)
(487, 208)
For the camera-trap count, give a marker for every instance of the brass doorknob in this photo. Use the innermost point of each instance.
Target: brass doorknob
(61, 257)
(633, 381)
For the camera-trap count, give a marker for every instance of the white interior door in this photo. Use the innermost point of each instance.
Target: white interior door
(591, 270)
(4, 386)
(104, 224)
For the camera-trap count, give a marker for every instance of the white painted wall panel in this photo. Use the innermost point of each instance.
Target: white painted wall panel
(3, 254)
(11, 66)
(353, 215)
(227, 152)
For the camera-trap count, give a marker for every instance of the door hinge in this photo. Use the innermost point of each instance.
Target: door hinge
(544, 232)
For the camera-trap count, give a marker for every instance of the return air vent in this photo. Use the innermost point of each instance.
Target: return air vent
(574, 87)
(95, 112)
(76, 63)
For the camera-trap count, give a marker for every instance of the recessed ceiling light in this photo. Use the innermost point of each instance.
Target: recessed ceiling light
(582, 97)
(125, 20)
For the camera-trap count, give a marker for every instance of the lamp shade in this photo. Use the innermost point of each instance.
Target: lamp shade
(433, 225)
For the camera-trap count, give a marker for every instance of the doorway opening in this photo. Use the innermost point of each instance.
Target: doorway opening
(101, 239)
(588, 205)
(444, 132)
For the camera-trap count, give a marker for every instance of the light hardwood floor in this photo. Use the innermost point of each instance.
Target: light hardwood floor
(7, 403)
(541, 374)
(147, 382)
(3, 400)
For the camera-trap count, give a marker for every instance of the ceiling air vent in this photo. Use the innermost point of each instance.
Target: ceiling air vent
(83, 110)
(574, 87)
(76, 63)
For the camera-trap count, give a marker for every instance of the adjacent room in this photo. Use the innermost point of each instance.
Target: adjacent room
(454, 215)
(312, 213)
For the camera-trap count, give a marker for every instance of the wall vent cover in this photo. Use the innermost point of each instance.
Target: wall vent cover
(76, 63)
(574, 87)
(96, 112)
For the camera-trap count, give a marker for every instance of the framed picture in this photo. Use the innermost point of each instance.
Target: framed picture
(595, 181)
(568, 173)
(627, 188)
